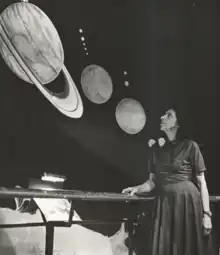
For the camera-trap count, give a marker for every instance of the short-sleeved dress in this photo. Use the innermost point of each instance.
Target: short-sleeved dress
(178, 212)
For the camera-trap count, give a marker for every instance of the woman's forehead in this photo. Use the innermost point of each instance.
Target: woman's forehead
(170, 111)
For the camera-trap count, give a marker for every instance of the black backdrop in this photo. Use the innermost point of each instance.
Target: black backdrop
(169, 49)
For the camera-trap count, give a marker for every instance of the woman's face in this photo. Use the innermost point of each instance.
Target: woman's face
(168, 120)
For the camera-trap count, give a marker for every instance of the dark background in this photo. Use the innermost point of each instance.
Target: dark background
(169, 49)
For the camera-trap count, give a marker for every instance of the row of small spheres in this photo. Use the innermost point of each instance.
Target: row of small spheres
(126, 83)
(97, 87)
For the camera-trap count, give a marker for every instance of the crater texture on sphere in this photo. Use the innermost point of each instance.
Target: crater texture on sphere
(130, 116)
(96, 84)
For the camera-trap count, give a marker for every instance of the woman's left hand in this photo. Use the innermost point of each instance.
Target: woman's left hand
(207, 224)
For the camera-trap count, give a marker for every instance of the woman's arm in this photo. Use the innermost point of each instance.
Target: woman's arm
(204, 192)
(147, 186)
(207, 222)
(199, 168)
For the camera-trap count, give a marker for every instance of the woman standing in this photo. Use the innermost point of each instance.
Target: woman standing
(181, 216)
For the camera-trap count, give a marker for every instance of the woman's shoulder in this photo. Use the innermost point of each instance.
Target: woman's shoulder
(192, 144)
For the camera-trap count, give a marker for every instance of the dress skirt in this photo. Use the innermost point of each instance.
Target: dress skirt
(177, 221)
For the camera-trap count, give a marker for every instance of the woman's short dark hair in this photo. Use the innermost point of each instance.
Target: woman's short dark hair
(183, 119)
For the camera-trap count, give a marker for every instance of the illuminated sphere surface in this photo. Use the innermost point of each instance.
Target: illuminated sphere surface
(130, 116)
(96, 84)
(32, 49)
(27, 33)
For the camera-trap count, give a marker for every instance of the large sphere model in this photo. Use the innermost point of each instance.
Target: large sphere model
(31, 47)
(96, 84)
(29, 41)
(130, 116)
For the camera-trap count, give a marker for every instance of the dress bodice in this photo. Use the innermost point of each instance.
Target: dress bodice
(177, 161)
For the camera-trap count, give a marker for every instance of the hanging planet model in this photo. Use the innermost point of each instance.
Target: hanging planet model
(32, 49)
(96, 84)
(130, 116)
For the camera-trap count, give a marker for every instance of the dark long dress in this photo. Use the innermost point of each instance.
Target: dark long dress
(177, 215)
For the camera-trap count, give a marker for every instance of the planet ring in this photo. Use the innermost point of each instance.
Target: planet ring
(68, 102)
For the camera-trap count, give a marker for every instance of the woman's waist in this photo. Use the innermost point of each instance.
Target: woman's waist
(177, 186)
(174, 176)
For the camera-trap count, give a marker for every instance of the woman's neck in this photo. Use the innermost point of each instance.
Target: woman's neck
(171, 134)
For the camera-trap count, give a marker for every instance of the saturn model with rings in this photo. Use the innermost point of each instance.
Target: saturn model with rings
(32, 49)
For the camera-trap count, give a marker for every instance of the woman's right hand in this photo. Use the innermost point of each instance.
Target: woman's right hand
(131, 190)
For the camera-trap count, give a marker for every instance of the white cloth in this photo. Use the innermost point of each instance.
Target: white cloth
(76, 240)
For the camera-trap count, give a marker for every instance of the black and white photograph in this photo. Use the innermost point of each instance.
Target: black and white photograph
(108, 127)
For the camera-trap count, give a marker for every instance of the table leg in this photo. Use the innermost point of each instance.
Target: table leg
(49, 239)
(130, 233)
